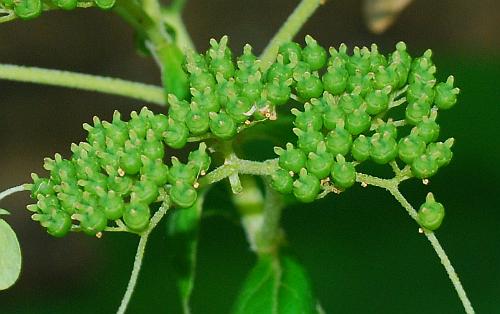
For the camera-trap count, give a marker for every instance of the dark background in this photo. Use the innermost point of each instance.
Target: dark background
(361, 249)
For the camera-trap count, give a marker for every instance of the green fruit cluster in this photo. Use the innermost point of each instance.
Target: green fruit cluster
(346, 116)
(117, 174)
(30, 9)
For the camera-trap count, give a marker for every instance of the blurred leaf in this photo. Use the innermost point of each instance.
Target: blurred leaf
(10, 256)
(381, 14)
(4, 212)
(182, 232)
(277, 285)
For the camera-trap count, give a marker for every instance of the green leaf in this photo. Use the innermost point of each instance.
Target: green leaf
(4, 212)
(182, 232)
(10, 256)
(276, 285)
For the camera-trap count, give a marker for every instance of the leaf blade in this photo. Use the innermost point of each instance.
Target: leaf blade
(276, 285)
(10, 256)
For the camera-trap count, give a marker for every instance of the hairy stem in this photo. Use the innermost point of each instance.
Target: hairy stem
(288, 30)
(108, 85)
(240, 166)
(140, 255)
(439, 251)
(392, 186)
(12, 190)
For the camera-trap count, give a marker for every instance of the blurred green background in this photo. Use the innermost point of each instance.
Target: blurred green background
(363, 253)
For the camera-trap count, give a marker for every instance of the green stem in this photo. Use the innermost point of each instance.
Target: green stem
(270, 234)
(140, 255)
(12, 190)
(174, 20)
(240, 166)
(288, 30)
(392, 186)
(439, 251)
(108, 85)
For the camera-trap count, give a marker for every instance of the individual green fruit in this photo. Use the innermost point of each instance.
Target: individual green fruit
(155, 171)
(121, 185)
(376, 59)
(222, 125)
(358, 121)
(112, 205)
(377, 101)
(306, 187)
(197, 120)
(144, 191)
(202, 80)
(279, 70)
(130, 161)
(309, 86)
(59, 224)
(320, 162)
(176, 135)
(350, 102)
(343, 173)
(362, 84)
(388, 127)
(278, 92)
(182, 172)
(200, 159)
(183, 194)
(339, 141)
(446, 95)
(424, 166)
(178, 109)
(136, 216)
(314, 54)
(41, 186)
(92, 221)
(335, 79)
(308, 119)
(153, 148)
(384, 148)
(431, 213)
(416, 111)
(410, 147)
(239, 109)
(385, 76)
(252, 88)
(291, 159)
(359, 62)
(117, 130)
(206, 100)
(308, 140)
(332, 116)
(361, 148)
(427, 129)
(28, 9)
(159, 124)
(441, 152)
(282, 181)
(288, 49)
(418, 91)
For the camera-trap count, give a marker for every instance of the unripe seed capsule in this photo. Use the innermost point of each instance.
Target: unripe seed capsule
(431, 213)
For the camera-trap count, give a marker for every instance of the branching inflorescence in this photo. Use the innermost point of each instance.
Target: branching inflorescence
(348, 107)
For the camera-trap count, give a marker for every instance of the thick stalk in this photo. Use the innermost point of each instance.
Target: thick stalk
(12, 190)
(288, 30)
(107, 85)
